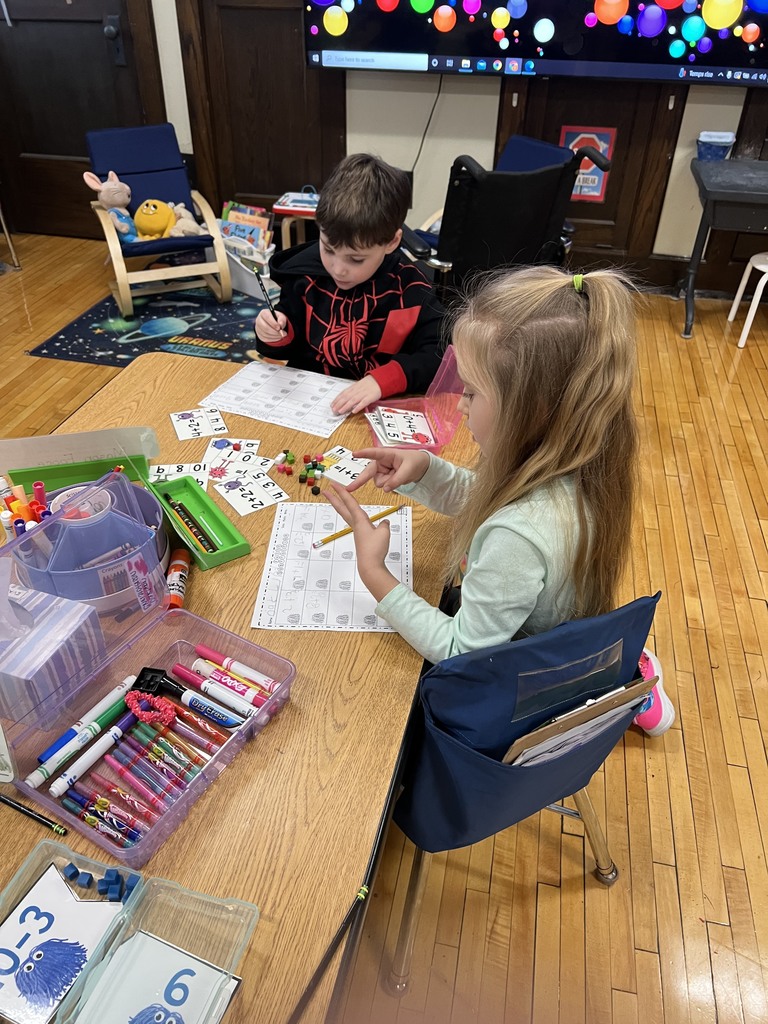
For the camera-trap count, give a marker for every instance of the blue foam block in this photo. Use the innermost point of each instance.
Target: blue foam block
(71, 871)
(111, 874)
(113, 893)
(102, 886)
(84, 879)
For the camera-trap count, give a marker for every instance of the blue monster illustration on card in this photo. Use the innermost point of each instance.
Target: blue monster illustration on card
(157, 1014)
(49, 970)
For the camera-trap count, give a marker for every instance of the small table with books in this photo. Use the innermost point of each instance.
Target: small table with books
(295, 208)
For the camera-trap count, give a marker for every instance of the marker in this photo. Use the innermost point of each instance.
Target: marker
(96, 823)
(95, 795)
(90, 716)
(160, 752)
(38, 489)
(164, 770)
(23, 809)
(230, 700)
(5, 488)
(237, 668)
(123, 772)
(94, 753)
(140, 765)
(217, 675)
(207, 708)
(6, 518)
(179, 747)
(205, 747)
(348, 529)
(19, 527)
(104, 814)
(44, 772)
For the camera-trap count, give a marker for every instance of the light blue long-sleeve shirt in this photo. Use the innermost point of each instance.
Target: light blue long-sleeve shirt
(517, 578)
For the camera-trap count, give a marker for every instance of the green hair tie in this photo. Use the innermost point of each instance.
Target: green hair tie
(578, 282)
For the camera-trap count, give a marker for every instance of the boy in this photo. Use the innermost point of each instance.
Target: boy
(352, 305)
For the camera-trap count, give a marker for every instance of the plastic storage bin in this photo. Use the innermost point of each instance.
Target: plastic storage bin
(714, 145)
(29, 923)
(59, 657)
(173, 951)
(439, 405)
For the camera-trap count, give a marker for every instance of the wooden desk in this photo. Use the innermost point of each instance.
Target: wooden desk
(291, 823)
(734, 196)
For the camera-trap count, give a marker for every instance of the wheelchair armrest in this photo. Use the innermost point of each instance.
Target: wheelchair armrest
(415, 245)
(597, 158)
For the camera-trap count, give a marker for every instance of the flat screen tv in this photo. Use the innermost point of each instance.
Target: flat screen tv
(720, 41)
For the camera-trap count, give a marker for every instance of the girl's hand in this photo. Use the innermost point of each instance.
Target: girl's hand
(356, 396)
(371, 542)
(391, 467)
(269, 331)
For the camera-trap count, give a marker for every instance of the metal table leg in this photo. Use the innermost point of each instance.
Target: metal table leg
(690, 277)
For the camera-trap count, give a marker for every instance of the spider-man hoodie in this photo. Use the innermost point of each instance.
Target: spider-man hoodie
(387, 327)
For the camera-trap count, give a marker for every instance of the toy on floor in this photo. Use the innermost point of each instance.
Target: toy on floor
(154, 219)
(114, 195)
(185, 225)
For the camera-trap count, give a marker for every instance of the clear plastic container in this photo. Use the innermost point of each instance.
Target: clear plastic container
(439, 405)
(199, 941)
(60, 657)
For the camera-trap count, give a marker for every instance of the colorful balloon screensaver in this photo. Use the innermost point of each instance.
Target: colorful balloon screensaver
(693, 33)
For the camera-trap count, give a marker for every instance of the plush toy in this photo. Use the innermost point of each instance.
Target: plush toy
(154, 219)
(185, 225)
(114, 195)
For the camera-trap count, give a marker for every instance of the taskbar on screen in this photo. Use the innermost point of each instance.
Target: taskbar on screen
(364, 60)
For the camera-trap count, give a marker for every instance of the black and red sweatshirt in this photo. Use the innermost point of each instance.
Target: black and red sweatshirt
(387, 327)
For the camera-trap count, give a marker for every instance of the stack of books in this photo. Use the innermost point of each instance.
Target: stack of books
(252, 224)
(398, 427)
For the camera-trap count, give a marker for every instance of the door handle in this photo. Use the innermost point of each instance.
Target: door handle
(113, 34)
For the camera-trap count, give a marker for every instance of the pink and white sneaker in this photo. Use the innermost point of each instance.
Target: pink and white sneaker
(658, 712)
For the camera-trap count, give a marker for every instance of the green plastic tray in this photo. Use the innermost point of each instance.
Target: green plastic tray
(185, 489)
(66, 474)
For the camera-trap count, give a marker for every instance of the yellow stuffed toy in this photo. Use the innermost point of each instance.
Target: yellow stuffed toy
(154, 219)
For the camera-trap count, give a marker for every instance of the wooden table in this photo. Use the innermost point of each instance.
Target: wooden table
(734, 197)
(291, 824)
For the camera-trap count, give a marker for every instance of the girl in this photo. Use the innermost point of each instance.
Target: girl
(542, 532)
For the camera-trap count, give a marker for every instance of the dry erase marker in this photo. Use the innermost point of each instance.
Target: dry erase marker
(218, 675)
(91, 715)
(44, 771)
(221, 693)
(238, 668)
(207, 708)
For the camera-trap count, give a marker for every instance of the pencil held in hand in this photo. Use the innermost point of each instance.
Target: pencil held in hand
(348, 529)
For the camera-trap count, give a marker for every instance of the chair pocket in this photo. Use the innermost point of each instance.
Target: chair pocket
(454, 796)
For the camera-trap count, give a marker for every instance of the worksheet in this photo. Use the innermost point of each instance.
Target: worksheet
(297, 399)
(303, 587)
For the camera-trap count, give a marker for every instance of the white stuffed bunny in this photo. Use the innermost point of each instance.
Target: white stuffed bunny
(114, 195)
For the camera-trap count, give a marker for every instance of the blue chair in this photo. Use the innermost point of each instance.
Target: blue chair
(477, 709)
(148, 159)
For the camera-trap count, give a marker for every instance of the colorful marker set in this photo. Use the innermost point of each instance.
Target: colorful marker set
(131, 756)
(20, 513)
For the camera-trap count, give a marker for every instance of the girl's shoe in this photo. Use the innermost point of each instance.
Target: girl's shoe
(658, 713)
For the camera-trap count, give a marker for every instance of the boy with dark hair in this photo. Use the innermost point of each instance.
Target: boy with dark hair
(351, 305)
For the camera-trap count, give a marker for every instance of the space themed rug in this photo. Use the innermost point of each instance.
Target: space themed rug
(191, 323)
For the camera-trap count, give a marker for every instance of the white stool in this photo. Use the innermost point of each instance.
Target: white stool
(758, 262)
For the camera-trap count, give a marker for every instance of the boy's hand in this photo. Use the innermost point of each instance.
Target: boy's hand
(371, 542)
(267, 330)
(356, 396)
(391, 467)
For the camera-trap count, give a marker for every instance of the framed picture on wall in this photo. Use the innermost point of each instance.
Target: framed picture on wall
(591, 182)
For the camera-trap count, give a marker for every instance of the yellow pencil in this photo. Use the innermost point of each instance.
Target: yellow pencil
(348, 529)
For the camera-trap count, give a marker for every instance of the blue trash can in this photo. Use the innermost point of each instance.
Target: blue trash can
(714, 145)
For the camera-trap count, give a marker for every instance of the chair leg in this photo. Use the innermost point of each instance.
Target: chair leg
(753, 307)
(9, 240)
(740, 290)
(605, 870)
(400, 972)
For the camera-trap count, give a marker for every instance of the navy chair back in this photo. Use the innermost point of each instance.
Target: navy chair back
(456, 790)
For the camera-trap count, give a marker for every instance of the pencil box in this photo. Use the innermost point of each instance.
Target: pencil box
(120, 642)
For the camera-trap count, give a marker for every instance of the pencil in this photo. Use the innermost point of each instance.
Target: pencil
(23, 809)
(348, 529)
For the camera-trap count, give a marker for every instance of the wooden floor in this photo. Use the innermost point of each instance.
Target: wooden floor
(516, 929)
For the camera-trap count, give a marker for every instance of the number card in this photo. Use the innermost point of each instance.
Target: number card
(198, 423)
(45, 942)
(251, 491)
(149, 980)
(224, 448)
(343, 467)
(199, 470)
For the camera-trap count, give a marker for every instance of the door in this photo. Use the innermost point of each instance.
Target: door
(646, 119)
(67, 68)
(263, 123)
